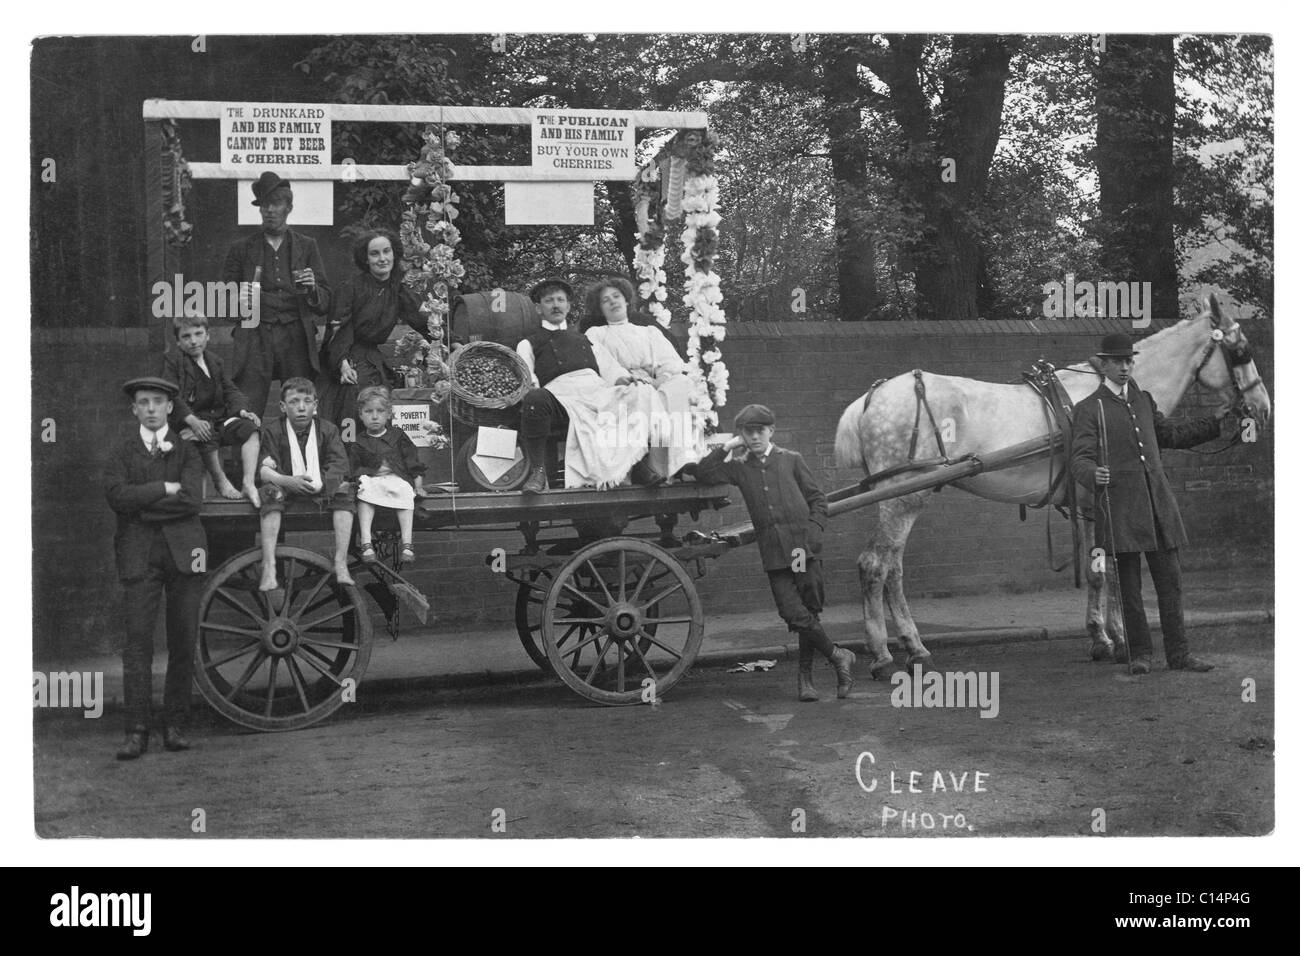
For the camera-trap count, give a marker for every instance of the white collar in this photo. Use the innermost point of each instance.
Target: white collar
(1115, 389)
(147, 436)
(564, 324)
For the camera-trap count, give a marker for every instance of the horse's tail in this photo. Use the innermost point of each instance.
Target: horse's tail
(848, 442)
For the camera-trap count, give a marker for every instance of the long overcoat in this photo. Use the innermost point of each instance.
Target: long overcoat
(1141, 502)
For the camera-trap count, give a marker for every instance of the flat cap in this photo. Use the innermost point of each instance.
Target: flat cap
(754, 415)
(151, 382)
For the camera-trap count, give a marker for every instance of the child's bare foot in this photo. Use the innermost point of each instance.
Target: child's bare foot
(250, 492)
(344, 578)
(227, 490)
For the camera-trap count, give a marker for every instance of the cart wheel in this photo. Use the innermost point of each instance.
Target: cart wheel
(645, 619)
(529, 600)
(279, 669)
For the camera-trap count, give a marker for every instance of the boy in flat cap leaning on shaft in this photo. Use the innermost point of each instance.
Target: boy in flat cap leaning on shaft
(789, 514)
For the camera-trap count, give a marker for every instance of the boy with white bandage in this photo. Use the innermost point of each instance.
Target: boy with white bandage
(303, 457)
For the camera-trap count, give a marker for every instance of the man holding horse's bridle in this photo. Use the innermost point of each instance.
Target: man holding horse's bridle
(1118, 434)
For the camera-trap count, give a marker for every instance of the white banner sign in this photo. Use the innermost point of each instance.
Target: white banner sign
(584, 144)
(410, 418)
(282, 137)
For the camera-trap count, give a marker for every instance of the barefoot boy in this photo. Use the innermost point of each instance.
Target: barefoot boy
(303, 457)
(209, 409)
(789, 515)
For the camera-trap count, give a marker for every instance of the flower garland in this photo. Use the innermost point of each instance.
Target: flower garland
(648, 258)
(703, 292)
(432, 270)
(176, 185)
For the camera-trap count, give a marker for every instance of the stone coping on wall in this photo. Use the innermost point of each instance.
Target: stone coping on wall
(1089, 326)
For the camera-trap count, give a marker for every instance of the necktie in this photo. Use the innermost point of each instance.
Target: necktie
(153, 447)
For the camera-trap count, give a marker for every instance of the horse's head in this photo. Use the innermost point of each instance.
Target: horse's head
(1227, 365)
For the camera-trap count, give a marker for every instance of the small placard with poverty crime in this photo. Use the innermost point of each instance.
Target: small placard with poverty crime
(411, 419)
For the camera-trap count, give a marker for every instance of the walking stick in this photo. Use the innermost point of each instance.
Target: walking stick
(1118, 594)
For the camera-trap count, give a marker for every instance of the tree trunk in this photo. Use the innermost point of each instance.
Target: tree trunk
(960, 141)
(1135, 166)
(855, 255)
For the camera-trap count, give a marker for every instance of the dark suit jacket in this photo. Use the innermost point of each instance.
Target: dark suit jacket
(133, 481)
(786, 505)
(276, 436)
(1142, 505)
(243, 259)
(218, 399)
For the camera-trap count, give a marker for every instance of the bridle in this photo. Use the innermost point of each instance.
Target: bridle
(1236, 354)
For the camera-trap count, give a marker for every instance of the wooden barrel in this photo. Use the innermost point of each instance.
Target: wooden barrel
(474, 319)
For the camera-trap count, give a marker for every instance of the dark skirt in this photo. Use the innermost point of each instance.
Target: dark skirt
(339, 401)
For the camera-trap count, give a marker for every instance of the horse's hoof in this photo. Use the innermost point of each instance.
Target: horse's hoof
(923, 661)
(884, 670)
(1102, 652)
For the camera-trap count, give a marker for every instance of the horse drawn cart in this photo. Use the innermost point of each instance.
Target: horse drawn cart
(616, 617)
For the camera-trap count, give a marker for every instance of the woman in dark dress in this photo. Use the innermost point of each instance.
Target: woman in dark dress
(362, 317)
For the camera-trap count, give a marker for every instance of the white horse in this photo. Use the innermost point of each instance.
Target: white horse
(984, 417)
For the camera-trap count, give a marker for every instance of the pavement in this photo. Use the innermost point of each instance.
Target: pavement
(459, 657)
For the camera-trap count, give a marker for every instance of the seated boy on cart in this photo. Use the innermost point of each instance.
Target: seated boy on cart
(303, 457)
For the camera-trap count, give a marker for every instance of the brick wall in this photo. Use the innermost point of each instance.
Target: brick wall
(808, 372)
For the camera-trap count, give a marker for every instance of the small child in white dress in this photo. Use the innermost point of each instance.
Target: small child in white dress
(386, 466)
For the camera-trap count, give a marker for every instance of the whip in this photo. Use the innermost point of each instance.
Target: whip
(1110, 534)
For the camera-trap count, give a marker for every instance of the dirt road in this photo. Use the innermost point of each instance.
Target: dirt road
(729, 755)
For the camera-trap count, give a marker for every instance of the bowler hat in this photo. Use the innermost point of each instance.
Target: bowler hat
(268, 183)
(535, 293)
(754, 415)
(1116, 345)
(152, 383)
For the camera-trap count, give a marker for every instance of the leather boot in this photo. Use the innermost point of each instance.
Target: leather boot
(135, 744)
(644, 475)
(173, 739)
(842, 660)
(807, 692)
(536, 483)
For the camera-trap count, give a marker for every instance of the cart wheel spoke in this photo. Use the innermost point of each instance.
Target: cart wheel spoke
(600, 658)
(289, 572)
(233, 655)
(227, 629)
(313, 658)
(661, 595)
(307, 604)
(347, 609)
(230, 600)
(582, 642)
(585, 598)
(252, 667)
(636, 595)
(270, 686)
(636, 646)
(600, 579)
(646, 635)
(295, 674)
